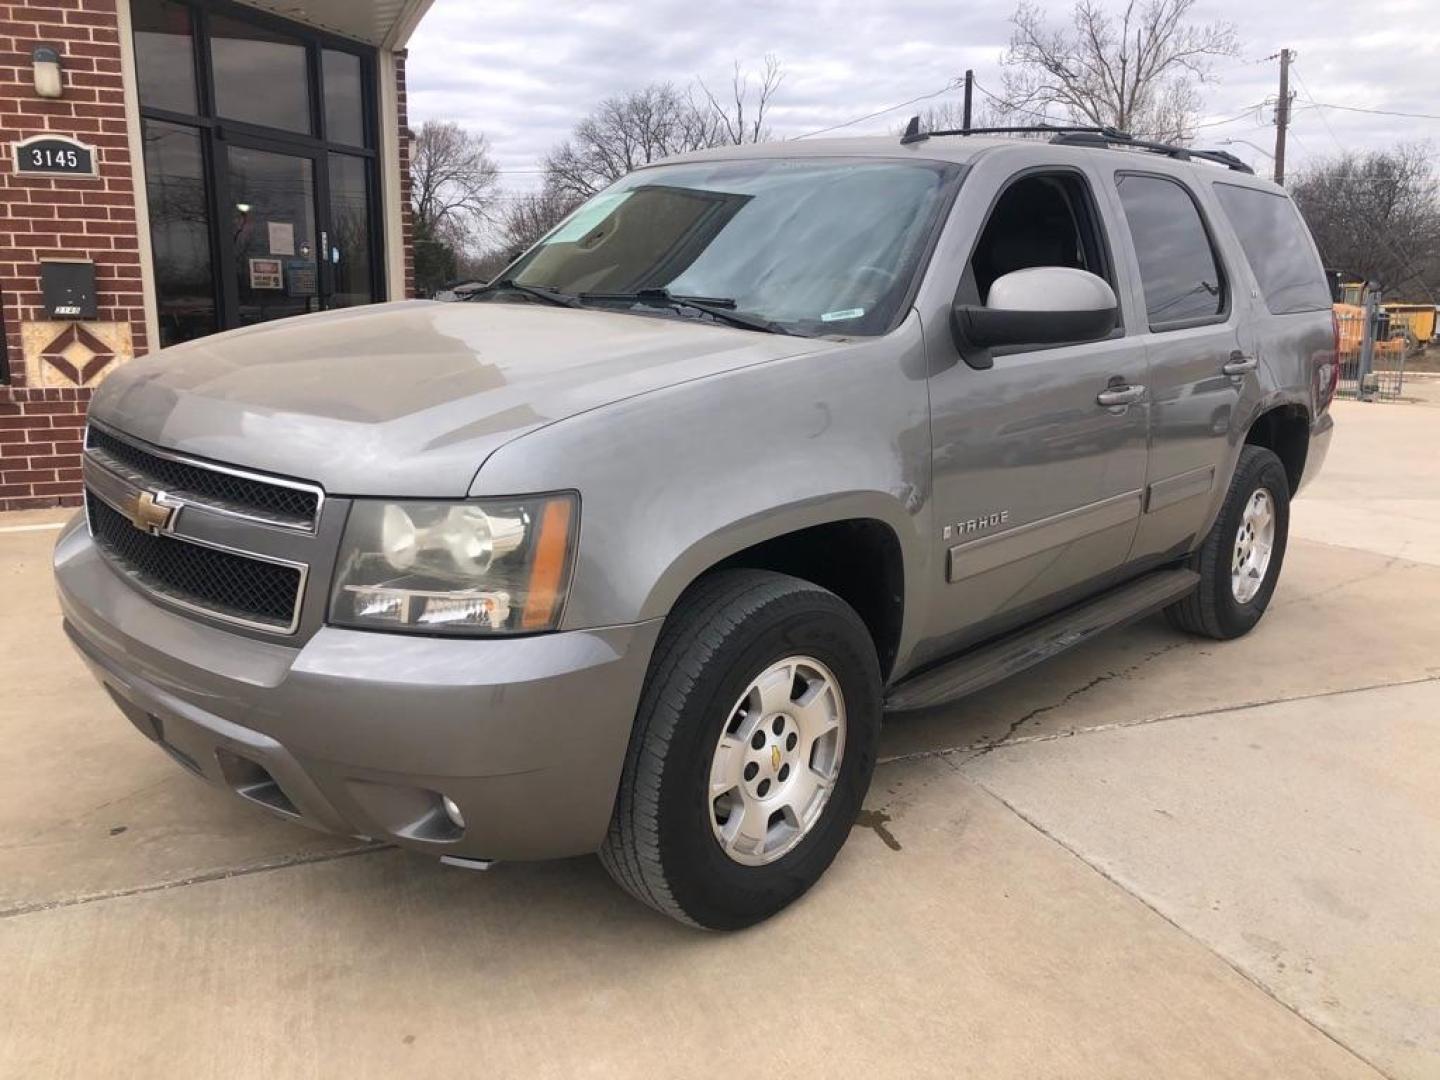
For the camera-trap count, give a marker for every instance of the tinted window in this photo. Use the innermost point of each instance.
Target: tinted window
(349, 252)
(164, 56)
(1277, 248)
(1177, 265)
(344, 114)
(179, 231)
(1039, 221)
(260, 75)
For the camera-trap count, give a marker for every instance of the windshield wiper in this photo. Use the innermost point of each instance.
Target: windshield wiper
(540, 292)
(719, 308)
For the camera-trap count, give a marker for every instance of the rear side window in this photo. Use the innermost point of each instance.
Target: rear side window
(1183, 283)
(1277, 249)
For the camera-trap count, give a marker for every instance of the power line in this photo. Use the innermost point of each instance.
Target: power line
(1397, 249)
(953, 84)
(1374, 112)
(1249, 110)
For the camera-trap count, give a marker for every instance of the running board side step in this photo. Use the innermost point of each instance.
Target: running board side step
(991, 663)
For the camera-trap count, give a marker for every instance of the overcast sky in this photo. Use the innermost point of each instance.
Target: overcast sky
(524, 73)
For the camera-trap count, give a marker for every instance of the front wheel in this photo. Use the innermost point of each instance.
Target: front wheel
(1239, 561)
(752, 751)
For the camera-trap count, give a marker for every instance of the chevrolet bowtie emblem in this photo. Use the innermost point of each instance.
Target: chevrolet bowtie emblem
(148, 514)
(775, 757)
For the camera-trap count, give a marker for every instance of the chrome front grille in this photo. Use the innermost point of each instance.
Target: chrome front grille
(225, 584)
(228, 544)
(272, 500)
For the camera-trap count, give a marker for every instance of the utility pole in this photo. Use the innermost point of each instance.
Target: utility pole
(969, 90)
(1282, 116)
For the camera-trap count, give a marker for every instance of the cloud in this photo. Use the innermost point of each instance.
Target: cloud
(525, 73)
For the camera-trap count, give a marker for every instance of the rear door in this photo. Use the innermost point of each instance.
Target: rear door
(1198, 363)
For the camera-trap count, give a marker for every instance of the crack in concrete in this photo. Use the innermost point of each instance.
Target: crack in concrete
(979, 749)
(1109, 676)
(219, 874)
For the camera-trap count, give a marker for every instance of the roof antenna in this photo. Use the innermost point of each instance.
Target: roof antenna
(913, 132)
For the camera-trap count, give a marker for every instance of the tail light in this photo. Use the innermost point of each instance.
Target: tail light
(1327, 368)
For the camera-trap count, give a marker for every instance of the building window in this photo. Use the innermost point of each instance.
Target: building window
(179, 199)
(260, 166)
(165, 56)
(261, 77)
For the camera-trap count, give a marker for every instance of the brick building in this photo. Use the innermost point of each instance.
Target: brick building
(172, 168)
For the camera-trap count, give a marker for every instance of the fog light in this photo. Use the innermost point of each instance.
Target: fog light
(452, 811)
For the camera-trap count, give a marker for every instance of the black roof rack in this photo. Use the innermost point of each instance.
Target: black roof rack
(1086, 136)
(914, 134)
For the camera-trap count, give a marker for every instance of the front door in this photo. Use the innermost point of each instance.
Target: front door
(274, 233)
(1039, 460)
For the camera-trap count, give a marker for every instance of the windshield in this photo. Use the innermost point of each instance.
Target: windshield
(820, 246)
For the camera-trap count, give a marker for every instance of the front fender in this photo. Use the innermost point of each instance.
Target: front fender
(673, 481)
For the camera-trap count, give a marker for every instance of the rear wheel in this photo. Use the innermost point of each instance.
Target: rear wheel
(1239, 562)
(753, 748)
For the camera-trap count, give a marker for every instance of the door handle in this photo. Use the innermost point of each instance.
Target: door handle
(1240, 364)
(1120, 395)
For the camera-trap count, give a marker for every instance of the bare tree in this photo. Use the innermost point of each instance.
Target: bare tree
(1139, 70)
(730, 114)
(626, 131)
(532, 215)
(452, 181)
(1377, 215)
(949, 115)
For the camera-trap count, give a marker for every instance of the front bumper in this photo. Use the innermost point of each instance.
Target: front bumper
(363, 733)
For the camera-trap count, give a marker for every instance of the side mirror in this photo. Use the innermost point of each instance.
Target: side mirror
(1044, 305)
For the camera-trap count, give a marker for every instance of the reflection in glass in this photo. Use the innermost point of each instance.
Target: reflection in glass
(1177, 266)
(272, 226)
(164, 55)
(350, 230)
(179, 231)
(261, 77)
(1277, 248)
(344, 108)
(830, 246)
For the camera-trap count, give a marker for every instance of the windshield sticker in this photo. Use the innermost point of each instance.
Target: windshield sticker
(587, 217)
(842, 316)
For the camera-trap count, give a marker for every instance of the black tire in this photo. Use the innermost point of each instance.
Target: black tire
(724, 632)
(1212, 609)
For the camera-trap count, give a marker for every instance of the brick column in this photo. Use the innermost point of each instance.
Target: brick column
(42, 408)
(407, 216)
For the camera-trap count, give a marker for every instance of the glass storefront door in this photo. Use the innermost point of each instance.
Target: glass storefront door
(260, 166)
(274, 236)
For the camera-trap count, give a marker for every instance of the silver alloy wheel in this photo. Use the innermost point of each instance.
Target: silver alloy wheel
(1254, 541)
(777, 760)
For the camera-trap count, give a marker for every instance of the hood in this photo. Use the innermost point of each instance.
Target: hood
(408, 398)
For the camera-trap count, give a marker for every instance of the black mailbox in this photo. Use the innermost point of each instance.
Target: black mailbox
(68, 289)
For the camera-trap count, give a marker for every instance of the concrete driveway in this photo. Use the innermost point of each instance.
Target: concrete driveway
(1152, 857)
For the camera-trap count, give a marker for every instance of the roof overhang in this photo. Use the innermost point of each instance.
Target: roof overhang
(385, 23)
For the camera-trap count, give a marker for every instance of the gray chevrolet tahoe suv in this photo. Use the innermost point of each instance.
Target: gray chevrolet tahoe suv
(631, 551)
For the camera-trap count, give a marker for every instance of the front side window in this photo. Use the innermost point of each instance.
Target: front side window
(1182, 280)
(1276, 247)
(1040, 220)
(818, 246)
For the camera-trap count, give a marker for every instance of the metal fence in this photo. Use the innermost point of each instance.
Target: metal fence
(1372, 355)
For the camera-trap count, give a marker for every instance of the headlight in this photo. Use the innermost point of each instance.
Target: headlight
(490, 566)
